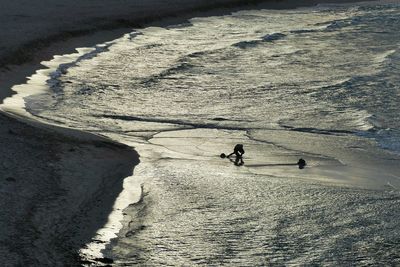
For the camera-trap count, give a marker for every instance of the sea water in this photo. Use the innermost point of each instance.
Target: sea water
(320, 83)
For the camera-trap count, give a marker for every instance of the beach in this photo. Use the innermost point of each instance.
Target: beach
(33, 33)
(60, 185)
(46, 174)
(56, 192)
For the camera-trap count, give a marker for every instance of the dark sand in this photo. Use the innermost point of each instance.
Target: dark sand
(56, 192)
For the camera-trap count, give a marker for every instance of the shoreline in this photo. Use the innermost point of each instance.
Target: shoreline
(53, 188)
(87, 144)
(27, 57)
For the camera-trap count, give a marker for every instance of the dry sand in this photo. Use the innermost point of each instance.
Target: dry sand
(58, 190)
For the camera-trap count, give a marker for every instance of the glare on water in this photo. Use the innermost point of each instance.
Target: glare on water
(319, 83)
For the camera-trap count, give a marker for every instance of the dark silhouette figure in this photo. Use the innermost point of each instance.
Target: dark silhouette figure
(238, 151)
(302, 163)
(238, 161)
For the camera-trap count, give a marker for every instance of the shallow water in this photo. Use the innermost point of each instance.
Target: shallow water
(197, 210)
(320, 83)
(250, 220)
(329, 69)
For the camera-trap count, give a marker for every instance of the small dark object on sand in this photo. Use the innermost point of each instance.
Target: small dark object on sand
(302, 163)
(222, 156)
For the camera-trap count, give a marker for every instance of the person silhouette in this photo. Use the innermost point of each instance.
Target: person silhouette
(238, 151)
(301, 163)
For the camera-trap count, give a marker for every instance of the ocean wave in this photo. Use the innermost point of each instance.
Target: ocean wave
(304, 31)
(54, 77)
(386, 138)
(273, 37)
(83, 54)
(376, 123)
(179, 26)
(316, 130)
(183, 123)
(389, 139)
(198, 54)
(363, 121)
(181, 67)
(132, 35)
(247, 44)
(385, 56)
(266, 38)
(335, 25)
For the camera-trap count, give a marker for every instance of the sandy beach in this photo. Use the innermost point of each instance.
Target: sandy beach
(56, 192)
(59, 185)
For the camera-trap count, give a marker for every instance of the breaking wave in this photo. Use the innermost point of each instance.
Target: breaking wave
(267, 38)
